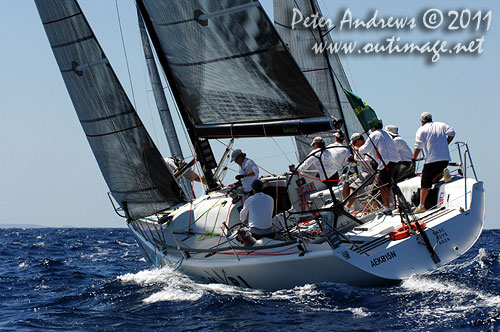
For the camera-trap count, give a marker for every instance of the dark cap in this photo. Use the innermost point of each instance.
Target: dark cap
(257, 185)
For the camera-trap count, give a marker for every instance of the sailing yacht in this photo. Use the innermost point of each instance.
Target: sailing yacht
(233, 75)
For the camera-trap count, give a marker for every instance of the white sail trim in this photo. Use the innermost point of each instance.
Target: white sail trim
(229, 11)
(92, 64)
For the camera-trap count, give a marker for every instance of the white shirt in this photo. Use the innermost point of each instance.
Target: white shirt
(172, 167)
(385, 146)
(314, 163)
(432, 137)
(339, 155)
(404, 150)
(364, 162)
(258, 209)
(248, 166)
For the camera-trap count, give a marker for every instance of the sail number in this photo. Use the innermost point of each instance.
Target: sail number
(384, 258)
(441, 236)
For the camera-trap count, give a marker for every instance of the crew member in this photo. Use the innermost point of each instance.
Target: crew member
(257, 212)
(382, 149)
(365, 170)
(174, 164)
(339, 155)
(248, 169)
(320, 160)
(433, 138)
(403, 169)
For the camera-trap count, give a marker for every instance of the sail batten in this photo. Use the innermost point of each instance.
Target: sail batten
(221, 59)
(230, 10)
(132, 166)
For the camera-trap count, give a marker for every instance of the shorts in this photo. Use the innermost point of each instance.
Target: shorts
(403, 171)
(259, 233)
(386, 173)
(430, 171)
(357, 181)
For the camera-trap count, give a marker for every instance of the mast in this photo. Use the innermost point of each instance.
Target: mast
(161, 101)
(330, 70)
(202, 147)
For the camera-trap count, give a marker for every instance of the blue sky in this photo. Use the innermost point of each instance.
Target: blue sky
(49, 175)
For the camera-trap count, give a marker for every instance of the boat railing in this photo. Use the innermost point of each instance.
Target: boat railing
(118, 208)
(464, 160)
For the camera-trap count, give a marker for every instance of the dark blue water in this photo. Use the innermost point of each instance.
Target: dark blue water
(96, 279)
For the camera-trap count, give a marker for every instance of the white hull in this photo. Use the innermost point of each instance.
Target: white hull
(370, 259)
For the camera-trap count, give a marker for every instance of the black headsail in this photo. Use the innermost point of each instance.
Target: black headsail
(132, 166)
(324, 71)
(230, 72)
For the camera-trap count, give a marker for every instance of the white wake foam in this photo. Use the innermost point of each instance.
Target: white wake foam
(176, 287)
(456, 299)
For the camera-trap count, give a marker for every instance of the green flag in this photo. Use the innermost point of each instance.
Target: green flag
(366, 115)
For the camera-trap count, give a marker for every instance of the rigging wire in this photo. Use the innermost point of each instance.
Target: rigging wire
(296, 148)
(125, 53)
(279, 147)
(344, 59)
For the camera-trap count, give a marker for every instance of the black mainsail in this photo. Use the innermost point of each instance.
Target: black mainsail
(230, 73)
(323, 71)
(227, 65)
(132, 166)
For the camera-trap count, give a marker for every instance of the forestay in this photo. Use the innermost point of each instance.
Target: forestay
(129, 161)
(300, 41)
(227, 63)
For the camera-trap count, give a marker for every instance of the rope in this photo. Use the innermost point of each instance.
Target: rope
(279, 147)
(224, 224)
(262, 168)
(210, 234)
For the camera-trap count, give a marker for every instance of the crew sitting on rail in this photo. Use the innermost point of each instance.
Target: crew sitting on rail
(403, 168)
(257, 212)
(320, 159)
(248, 169)
(382, 148)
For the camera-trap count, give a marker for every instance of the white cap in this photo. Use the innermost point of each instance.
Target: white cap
(393, 130)
(426, 117)
(318, 139)
(356, 136)
(235, 154)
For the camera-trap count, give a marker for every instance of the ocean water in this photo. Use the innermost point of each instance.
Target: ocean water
(97, 280)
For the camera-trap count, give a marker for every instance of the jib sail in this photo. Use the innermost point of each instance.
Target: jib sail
(132, 166)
